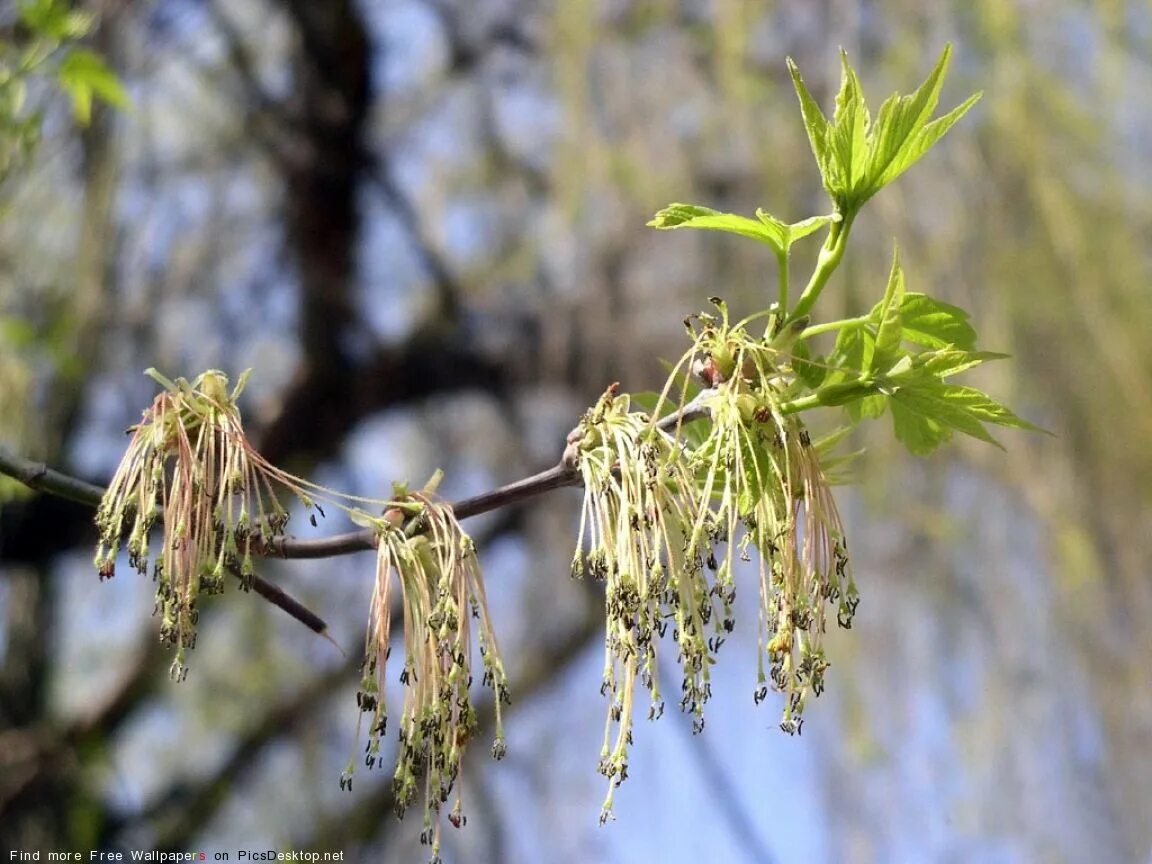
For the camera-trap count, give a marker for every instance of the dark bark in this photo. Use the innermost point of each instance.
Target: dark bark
(321, 173)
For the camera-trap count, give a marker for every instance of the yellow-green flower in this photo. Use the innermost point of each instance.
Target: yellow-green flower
(421, 542)
(761, 482)
(639, 509)
(190, 464)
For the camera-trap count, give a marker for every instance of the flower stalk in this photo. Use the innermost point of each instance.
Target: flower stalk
(638, 505)
(763, 484)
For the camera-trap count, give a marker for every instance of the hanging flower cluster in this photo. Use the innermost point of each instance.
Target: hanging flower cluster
(761, 472)
(639, 510)
(420, 541)
(665, 513)
(190, 465)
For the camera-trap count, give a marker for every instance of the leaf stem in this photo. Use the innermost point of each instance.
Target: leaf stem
(830, 396)
(803, 403)
(829, 326)
(782, 270)
(830, 255)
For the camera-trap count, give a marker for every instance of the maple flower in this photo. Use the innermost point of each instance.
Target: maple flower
(768, 491)
(639, 508)
(190, 465)
(421, 544)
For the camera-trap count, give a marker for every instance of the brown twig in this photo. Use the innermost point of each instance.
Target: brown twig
(558, 476)
(38, 476)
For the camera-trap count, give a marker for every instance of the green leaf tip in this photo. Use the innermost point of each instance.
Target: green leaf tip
(890, 329)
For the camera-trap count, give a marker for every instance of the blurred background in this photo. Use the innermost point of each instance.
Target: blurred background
(422, 222)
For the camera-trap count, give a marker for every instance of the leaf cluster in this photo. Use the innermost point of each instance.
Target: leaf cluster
(901, 356)
(765, 227)
(858, 157)
(903, 353)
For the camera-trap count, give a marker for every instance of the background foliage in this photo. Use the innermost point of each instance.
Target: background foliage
(424, 224)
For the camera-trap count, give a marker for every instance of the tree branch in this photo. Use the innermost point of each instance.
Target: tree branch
(38, 476)
(558, 476)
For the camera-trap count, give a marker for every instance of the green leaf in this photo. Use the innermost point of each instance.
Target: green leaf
(944, 405)
(84, 74)
(903, 132)
(836, 465)
(919, 433)
(853, 352)
(867, 408)
(902, 117)
(949, 362)
(889, 320)
(817, 126)
(857, 157)
(936, 324)
(829, 442)
(921, 142)
(874, 407)
(650, 403)
(765, 227)
(850, 126)
(925, 415)
(788, 234)
(694, 216)
(811, 373)
(843, 372)
(986, 409)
